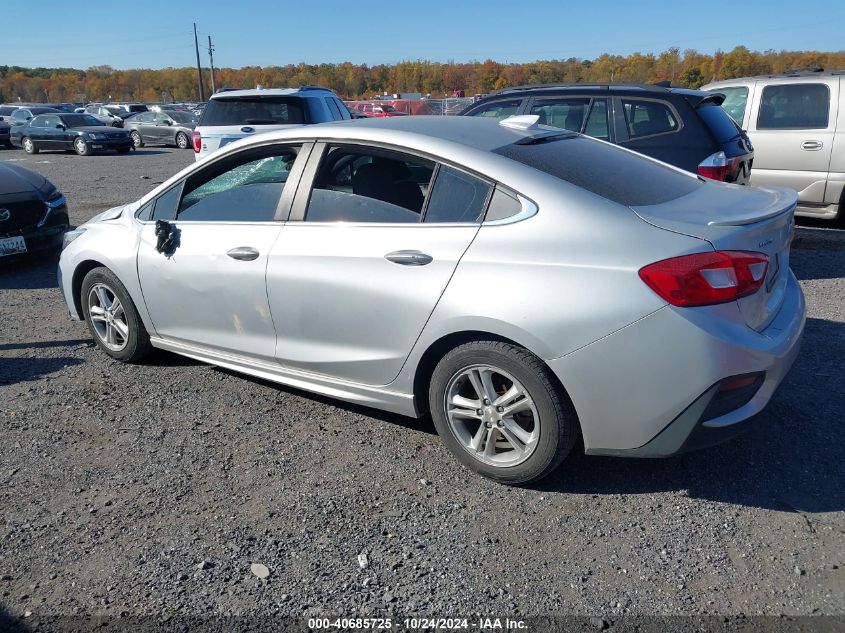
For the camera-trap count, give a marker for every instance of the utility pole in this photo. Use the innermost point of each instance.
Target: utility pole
(199, 69)
(211, 63)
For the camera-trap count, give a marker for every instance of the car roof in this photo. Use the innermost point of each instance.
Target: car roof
(269, 92)
(475, 132)
(651, 90)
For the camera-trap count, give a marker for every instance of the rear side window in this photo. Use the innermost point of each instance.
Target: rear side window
(722, 126)
(597, 121)
(254, 111)
(498, 109)
(456, 197)
(596, 167)
(647, 118)
(567, 114)
(734, 103)
(794, 107)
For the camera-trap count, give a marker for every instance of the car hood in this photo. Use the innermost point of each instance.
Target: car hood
(15, 179)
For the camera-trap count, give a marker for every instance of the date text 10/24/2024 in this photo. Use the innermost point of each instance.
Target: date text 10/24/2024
(441, 624)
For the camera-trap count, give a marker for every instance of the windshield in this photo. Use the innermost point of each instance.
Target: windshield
(181, 117)
(137, 108)
(254, 111)
(723, 127)
(81, 120)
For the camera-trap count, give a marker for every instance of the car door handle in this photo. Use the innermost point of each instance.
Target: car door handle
(811, 146)
(243, 253)
(409, 258)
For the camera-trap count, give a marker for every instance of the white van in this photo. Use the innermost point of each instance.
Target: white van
(796, 122)
(234, 114)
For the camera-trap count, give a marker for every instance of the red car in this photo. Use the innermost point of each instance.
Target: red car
(378, 109)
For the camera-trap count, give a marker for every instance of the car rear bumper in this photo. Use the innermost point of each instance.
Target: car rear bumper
(652, 389)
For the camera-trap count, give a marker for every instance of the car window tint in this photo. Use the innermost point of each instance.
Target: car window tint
(247, 191)
(498, 109)
(360, 185)
(344, 113)
(591, 165)
(647, 118)
(794, 106)
(333, 109)
(167, 203)
(502, 205)
(723, 127)
(734, 103)
(567, 114)
(597, 121)
(457, 197)
(254, 111)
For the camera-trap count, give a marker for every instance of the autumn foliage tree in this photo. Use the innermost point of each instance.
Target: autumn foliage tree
(688, 68)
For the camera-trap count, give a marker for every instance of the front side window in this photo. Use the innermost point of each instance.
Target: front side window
(39, 121)
(499, 109)
(245, 187)
(567, 114)
(794, 107)
(457, 197)
(47, 121)
(364, 185)
(734, 103)
(647, 118)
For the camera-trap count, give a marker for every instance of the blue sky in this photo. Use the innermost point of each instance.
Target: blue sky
(155, 34)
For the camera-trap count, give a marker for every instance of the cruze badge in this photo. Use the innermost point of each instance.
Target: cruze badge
(5, 214)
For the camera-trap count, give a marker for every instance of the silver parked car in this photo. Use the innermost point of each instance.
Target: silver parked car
(165, 127)
(525, 284)
(798, 135)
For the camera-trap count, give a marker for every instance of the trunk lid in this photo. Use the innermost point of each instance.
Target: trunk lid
(737, 218)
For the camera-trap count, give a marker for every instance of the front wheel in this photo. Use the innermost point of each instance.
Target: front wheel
(182, 140)
(81, 147)
(112, 317)
(29, 145)
(137, 141)
(498, 409)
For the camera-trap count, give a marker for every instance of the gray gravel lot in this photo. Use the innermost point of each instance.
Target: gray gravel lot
(152, 489)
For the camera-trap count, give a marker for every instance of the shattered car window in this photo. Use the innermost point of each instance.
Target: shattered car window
(249, 192)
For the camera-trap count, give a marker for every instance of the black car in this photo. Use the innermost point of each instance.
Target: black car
(23, 114)
(33, 213)
(79, 132)
(682, 127)
(5, 129)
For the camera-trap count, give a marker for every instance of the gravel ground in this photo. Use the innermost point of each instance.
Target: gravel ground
(152, 489)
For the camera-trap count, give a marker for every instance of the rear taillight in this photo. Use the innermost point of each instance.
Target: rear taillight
(196, 139)
(718, 166)
(707, 278)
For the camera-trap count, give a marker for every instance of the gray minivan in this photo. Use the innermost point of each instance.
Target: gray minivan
(796, 122)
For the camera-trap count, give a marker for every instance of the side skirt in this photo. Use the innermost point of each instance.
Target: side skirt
(366, 395)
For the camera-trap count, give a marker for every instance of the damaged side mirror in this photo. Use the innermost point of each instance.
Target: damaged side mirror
(167, 237)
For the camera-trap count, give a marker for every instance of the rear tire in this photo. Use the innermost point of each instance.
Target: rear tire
(526, 445)
(116, 325)
(81, 147)
(182, 140)
(29, 145)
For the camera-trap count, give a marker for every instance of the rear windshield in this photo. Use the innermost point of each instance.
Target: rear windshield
(603, 169)
(721, 125)
(138, 108)
(253, 111)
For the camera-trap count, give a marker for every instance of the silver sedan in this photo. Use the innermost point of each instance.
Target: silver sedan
(525, 285)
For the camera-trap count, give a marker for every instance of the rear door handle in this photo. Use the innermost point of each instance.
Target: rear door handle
(409, 258)
(243, 253)
(811, 146)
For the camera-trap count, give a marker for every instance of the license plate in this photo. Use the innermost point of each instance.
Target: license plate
(12, 245)
(774, 269)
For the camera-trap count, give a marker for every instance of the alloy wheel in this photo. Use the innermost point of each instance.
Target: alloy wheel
(492, 415)
(108, 317)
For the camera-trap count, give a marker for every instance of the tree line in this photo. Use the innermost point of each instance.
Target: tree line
(688, 68)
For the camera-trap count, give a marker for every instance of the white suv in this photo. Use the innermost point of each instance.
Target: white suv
(234, 114)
